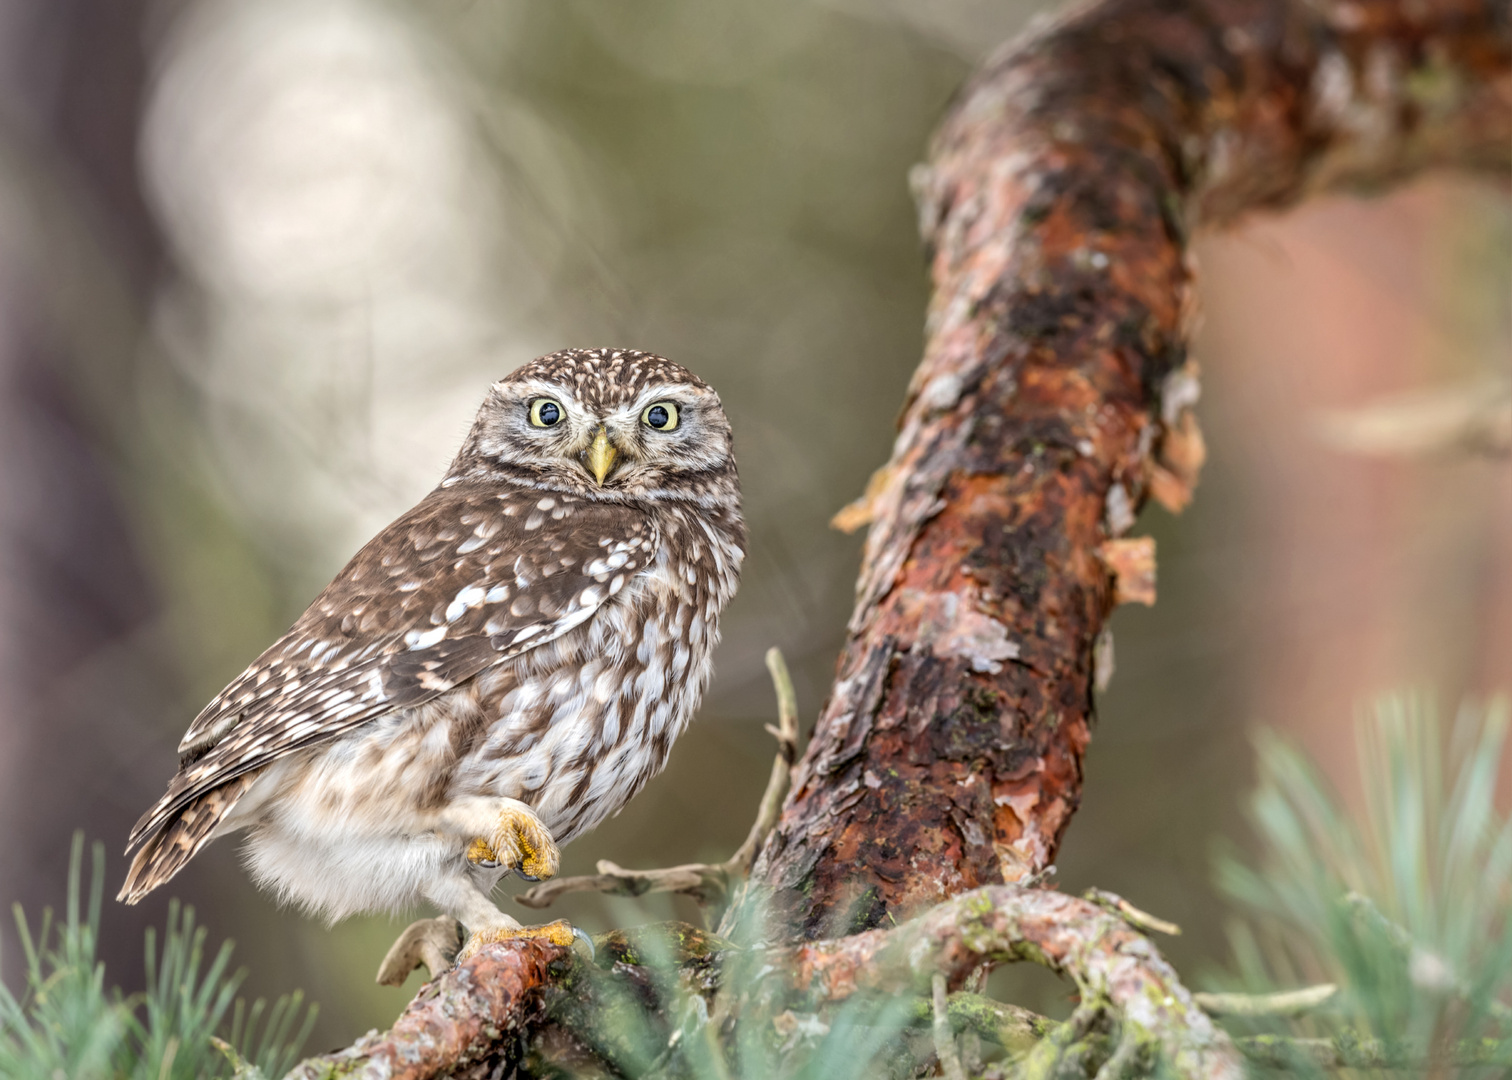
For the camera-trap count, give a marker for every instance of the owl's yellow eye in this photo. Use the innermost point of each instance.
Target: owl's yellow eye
(545, 413)
(661, 415)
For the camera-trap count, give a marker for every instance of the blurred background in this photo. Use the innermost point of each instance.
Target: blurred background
(259, 260)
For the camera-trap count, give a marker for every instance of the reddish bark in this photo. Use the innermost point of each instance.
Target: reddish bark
(463, 1024)
(1053, 398)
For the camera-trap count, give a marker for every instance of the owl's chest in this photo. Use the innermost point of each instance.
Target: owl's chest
(620, 673)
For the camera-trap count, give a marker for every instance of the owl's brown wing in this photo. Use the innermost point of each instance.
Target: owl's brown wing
(466, 579)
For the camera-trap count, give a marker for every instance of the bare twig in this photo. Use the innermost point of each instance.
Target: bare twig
(707, 883)
(1140, 920)
(1285, 1003)
(1349, 1052)
(786, 734)
(944, 1037)
(1469, 419)
(704, 882)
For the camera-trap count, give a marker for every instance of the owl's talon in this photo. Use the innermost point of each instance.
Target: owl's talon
(560, 933)
(520, 843)
(587, 942)
(480, 854)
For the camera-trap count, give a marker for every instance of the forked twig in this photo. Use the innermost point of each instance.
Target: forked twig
(1139, 920)
(706, 883)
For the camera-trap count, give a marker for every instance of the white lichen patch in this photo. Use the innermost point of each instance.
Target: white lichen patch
(951, 626)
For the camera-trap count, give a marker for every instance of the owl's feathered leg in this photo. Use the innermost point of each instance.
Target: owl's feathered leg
(503, 832)
(459, 896)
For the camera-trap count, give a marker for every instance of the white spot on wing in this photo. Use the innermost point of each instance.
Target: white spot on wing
(417, 640)
(470, 597)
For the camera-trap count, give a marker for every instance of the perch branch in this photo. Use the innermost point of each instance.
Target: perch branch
(473, 1014)
(1131, 999)
(526, 998)
(707, 883)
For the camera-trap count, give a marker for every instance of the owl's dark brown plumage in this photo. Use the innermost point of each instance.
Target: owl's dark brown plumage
(526, 641)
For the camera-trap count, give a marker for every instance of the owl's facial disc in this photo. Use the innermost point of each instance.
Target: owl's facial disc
(656, 440)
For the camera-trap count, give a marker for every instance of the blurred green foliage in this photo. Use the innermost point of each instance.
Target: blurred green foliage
(66, 1024)
(1406, 905)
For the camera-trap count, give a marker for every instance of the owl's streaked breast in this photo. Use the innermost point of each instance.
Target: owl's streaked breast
(581, 726)
(574, 728)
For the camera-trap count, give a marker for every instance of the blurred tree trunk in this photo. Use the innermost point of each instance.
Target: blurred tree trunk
(79, 254)
(1053, 399)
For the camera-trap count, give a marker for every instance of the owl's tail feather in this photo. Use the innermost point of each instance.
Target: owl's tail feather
(167, 851)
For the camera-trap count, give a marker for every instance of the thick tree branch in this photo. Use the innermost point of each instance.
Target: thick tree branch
(1054, 397)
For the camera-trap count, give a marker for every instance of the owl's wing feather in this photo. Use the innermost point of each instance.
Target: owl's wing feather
(466, 579)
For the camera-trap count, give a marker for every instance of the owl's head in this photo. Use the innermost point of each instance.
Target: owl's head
(606, 424)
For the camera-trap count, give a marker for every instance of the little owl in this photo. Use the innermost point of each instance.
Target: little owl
(496, 672)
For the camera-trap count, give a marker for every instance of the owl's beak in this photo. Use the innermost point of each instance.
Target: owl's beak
(601, 455)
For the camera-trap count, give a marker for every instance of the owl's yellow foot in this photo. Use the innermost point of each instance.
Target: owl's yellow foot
(519, 843)
(561, 933)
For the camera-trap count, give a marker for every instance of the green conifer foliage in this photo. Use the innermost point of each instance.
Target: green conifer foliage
(187, 1025)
